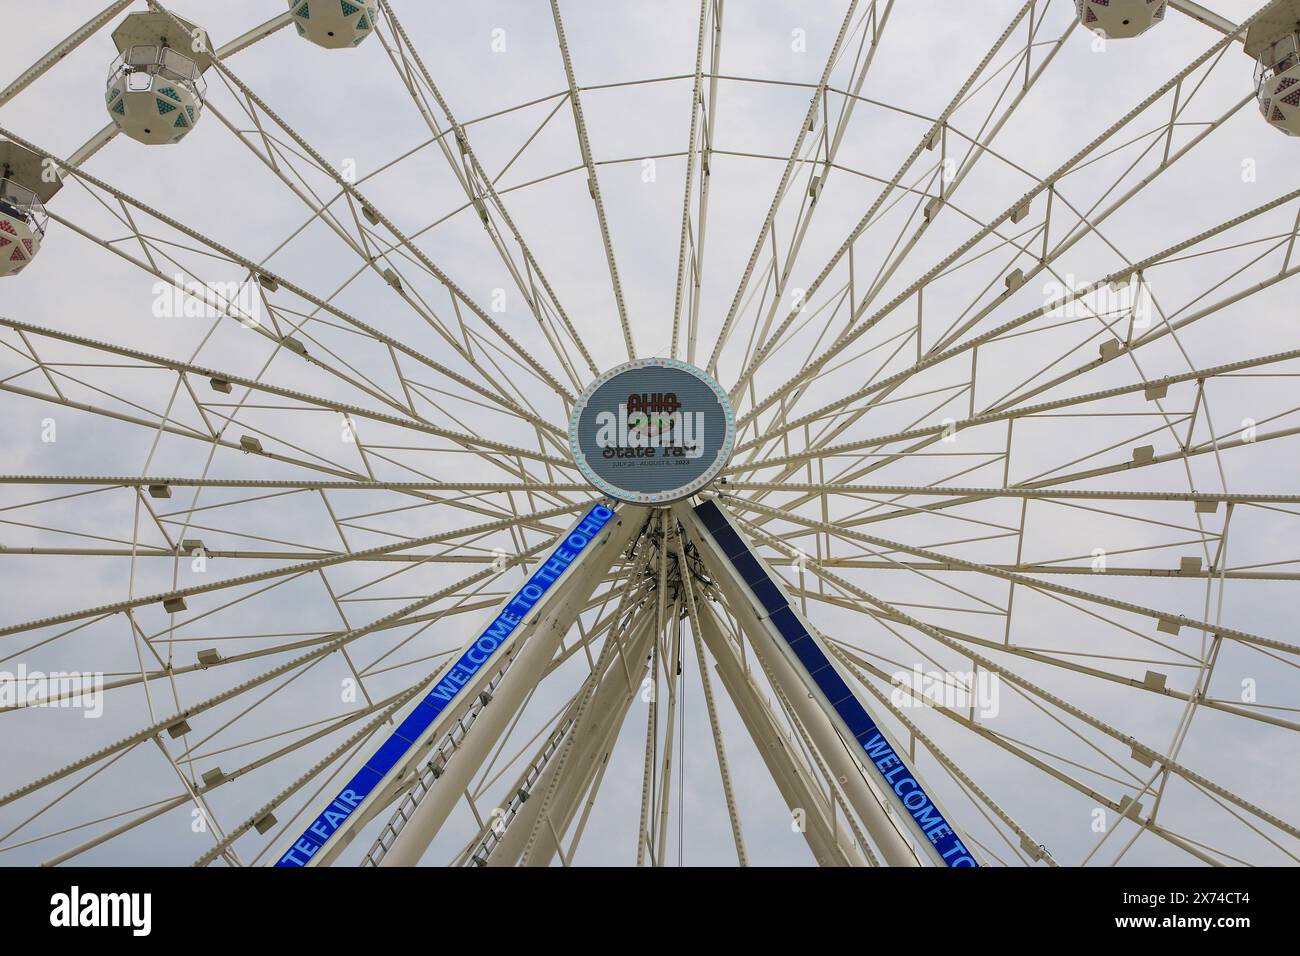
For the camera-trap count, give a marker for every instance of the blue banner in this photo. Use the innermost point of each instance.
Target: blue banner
(444, 692)
(892, 770)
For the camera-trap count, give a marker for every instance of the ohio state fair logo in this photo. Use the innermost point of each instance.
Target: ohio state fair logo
(649, 424)
(652, 431)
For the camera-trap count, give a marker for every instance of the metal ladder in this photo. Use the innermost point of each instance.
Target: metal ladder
(432, 770)
(496, 830)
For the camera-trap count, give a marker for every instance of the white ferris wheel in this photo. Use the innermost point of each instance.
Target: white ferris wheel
(712, 431)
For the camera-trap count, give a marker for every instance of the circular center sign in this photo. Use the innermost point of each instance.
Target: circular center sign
(652, 431)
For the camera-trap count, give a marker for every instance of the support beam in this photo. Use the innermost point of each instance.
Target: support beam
(540, 637)
(829, 735)
(830, 843)
(73, 40)
(590, 743)
(390, 768)
(1208, 17)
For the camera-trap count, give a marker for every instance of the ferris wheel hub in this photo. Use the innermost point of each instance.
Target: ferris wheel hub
(652, 431)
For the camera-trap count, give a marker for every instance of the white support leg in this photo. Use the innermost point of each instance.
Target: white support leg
(830, 843)
(540, 639)
(881, 822)
(391, 764)
(594, 737)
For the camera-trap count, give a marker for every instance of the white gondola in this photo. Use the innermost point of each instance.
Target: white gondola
(334, 24)
(155, 86)
(1277, 83)
(1120, 19)
(22, 206)
(1273, 42)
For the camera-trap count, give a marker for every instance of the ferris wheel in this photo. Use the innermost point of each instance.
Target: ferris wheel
(702, 432)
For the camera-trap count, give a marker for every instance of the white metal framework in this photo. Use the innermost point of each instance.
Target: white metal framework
(1007, 314)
